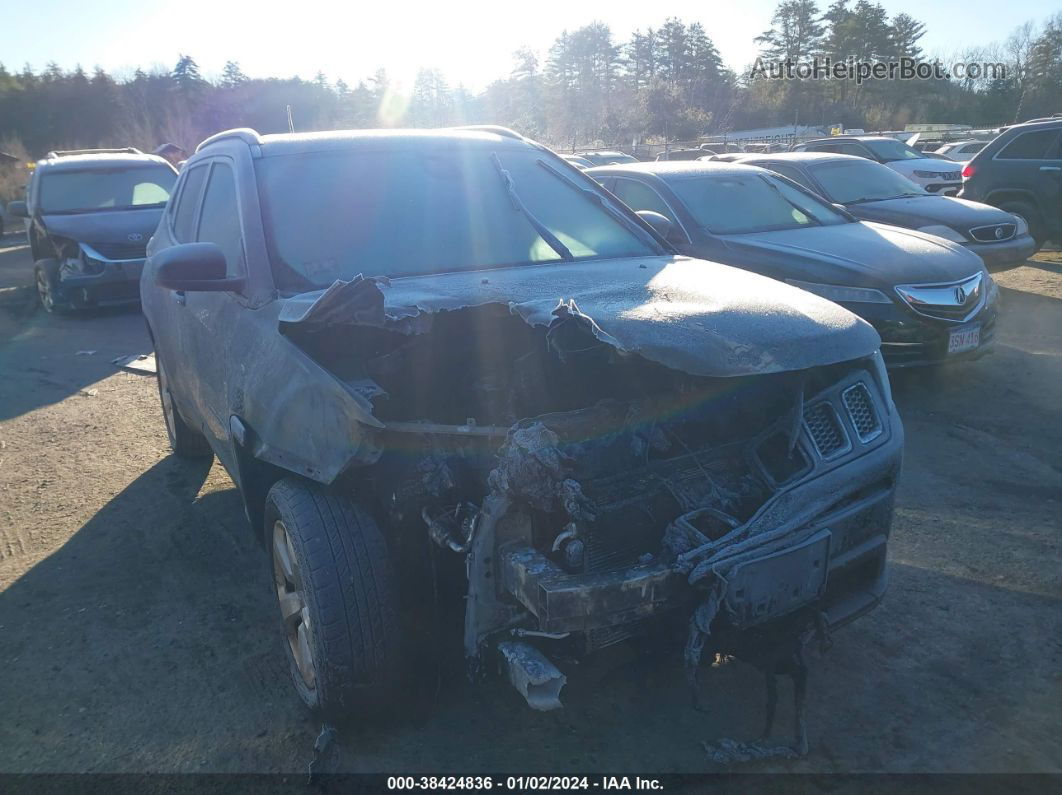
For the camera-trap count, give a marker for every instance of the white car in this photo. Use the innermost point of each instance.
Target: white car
(936, 176)
(961, 150)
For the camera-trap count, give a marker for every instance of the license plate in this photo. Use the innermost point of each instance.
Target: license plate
(964, 339)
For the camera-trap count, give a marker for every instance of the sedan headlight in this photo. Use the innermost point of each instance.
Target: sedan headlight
(1021, 226)
(945, 232)
(842, 294)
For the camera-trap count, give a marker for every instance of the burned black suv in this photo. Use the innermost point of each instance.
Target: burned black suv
(448, 363)
(91, 212)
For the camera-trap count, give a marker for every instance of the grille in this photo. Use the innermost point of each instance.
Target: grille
(825, 429)
(121, 250)
(957, 301)
(861, 411)
(993, 233)
(607, 636)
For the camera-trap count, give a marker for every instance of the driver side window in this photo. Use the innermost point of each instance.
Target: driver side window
(219, 220)
(187, 202)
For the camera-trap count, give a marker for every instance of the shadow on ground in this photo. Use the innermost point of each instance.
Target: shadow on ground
(149, 641)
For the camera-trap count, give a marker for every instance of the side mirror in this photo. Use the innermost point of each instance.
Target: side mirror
(18, 209)
(193, 267)
(661, 223)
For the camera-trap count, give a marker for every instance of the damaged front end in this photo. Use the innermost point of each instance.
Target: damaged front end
(595, 489)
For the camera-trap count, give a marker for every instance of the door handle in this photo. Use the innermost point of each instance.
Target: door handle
(178, 296)
(1051, 168)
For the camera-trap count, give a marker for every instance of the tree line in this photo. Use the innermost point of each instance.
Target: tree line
(667, 82)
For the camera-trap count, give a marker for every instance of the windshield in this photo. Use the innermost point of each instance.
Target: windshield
(890, 150)
(333, 215)
(734, 204)
(101, 189)
(854, 181)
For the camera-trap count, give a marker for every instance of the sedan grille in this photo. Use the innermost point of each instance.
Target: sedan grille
(993, 233)
(861, 412)
(121, 250)
(957, 301)
(825, 429)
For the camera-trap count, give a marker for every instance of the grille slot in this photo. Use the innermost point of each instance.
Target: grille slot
(861, 411)
(825, 429)
(989, 234)
(121, 250)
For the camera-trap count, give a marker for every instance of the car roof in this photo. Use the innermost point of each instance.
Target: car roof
(393, 140)
(671, 170)
(110, 160)
(803, 157)
(851, 138)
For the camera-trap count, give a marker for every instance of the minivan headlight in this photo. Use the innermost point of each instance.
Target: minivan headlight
(945, 232)
(843, 294)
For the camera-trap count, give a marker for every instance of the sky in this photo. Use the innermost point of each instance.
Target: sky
(470, 42)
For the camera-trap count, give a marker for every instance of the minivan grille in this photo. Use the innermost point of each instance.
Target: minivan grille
(861, 411)
(825, 429)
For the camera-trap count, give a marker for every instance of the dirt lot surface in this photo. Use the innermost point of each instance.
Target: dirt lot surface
(138, 631)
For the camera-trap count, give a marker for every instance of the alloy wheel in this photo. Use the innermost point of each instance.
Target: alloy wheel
(293, 609)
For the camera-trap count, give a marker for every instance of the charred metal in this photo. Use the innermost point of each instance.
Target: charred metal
(591, 489)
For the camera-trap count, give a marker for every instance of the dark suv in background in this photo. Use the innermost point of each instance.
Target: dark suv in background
(91, 213)
(1020, 171)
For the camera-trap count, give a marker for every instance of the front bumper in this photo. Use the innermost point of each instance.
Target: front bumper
(840, 518)
(117, 284)
(1011, 252)
(909, 339)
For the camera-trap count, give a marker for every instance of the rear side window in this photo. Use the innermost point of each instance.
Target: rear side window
(187, 201)
(219, 221)
(1036, 145)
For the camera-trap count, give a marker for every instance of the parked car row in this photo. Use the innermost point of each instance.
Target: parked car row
(930, 300)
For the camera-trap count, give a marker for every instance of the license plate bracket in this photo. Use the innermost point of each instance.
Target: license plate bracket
(779, 583)
(964, 338)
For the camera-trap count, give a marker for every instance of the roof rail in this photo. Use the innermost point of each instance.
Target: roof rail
(245, 134)
(125, 150)
(492, 128)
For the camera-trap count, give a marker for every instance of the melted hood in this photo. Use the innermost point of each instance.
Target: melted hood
(699, 317)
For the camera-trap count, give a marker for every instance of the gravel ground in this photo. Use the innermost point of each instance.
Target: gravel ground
(139, 632)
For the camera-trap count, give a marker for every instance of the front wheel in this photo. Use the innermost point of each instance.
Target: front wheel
(49, 291)
(335, 588)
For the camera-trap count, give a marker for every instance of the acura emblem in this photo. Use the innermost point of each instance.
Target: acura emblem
(134, 237)
(960, 295)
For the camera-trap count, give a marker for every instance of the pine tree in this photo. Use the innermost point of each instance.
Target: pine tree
(232, 75)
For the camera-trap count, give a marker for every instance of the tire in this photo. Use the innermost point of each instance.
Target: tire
(49, 292)
(185, 442)
(336, 593)
(1037, 227)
